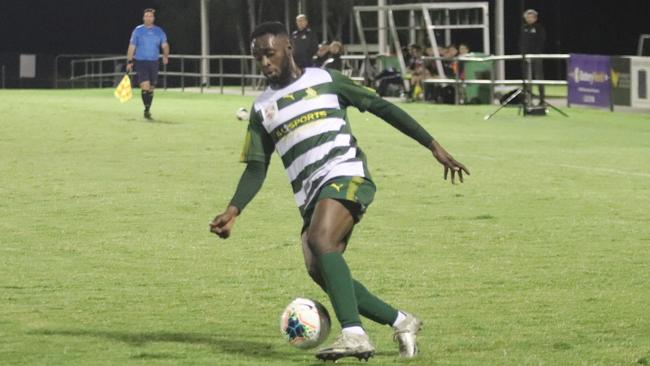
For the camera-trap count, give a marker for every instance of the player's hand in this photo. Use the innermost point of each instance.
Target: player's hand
(223, 223)
(165, 60)
(129, 67)
(447, 161)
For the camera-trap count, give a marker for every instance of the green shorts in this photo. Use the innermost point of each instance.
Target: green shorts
(355, 193)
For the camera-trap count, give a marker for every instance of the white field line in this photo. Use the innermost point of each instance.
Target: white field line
(601, 170)
(570, 166)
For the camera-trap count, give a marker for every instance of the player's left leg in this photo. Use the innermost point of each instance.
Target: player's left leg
(330, 224)
(355, 194)
(369, 305)
(405, 325)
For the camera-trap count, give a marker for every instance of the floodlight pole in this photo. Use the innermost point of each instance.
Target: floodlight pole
(205, 42)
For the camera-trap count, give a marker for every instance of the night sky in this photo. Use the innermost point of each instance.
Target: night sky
(104, 26)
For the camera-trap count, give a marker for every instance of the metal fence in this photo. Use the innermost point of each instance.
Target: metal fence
(184, 71)
(525, 81)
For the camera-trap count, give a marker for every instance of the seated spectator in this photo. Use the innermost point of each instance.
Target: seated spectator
(388, 83)
(463, 49)
(443, 93)
(333, 61)
(322, 54)
(417, 71)
(450, 65)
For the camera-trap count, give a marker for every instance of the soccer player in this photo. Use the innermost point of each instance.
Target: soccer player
(302, 115)
(146, 41)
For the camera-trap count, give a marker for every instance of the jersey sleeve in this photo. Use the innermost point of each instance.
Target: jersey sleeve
(163, 36)
(258, 145)
(134, 37)
(366, 99)
(351, 93)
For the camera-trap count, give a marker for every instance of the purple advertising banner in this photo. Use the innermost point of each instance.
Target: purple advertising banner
(589, 80)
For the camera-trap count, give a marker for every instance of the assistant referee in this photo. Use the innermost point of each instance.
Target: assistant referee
(144, 50)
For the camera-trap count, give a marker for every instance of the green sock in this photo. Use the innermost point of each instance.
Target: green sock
(373, 307)
(340, 289)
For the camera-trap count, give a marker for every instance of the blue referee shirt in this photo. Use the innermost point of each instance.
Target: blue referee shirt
(147, 42)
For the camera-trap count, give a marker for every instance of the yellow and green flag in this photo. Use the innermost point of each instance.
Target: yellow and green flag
(123, 92)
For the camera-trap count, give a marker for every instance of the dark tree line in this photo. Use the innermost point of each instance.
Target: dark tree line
(231, 21)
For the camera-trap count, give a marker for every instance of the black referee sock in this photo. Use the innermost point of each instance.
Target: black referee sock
(147, 98)
(144, 98)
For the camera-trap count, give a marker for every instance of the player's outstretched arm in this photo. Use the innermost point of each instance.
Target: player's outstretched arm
(402, 121)
(249, 184)
(448, 162)
(368, 100)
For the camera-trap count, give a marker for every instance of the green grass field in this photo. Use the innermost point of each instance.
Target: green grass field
(540, 258)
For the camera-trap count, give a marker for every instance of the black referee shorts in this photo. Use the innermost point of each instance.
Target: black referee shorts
(147, 71)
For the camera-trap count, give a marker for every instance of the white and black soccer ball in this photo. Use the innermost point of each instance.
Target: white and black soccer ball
(242, 114)
(305, 323)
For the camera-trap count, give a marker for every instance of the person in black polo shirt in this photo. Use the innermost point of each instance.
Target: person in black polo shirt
(304, 43)
(531, 40)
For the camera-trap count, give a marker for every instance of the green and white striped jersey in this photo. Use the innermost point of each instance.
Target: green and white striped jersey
(306, 123)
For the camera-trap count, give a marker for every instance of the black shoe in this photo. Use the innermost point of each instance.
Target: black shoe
(147, 116)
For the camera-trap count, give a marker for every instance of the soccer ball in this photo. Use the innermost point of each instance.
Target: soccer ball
(242, 114)
(305, 323)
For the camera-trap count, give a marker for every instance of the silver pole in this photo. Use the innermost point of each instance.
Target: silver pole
(447, 31)
(412, 35)
(205, 42)
(362, 36)
(433, 40)
(324, 19)
(499, 37)
(286, 16)
(351, 28)
(381, 24)
(398, 47)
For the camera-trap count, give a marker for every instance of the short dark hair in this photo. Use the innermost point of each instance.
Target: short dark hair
(274, 28)
(149, 10)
